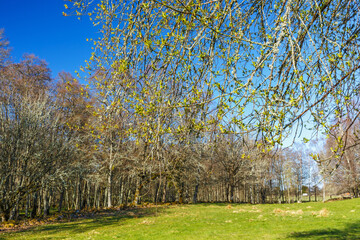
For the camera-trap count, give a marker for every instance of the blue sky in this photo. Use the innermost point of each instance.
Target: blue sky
(38, 27)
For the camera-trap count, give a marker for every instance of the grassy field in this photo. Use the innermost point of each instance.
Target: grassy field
(332, 220)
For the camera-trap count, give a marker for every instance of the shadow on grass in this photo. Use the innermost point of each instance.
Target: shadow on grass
(220, 204)
(82, 225)
(350, 231)
(223, 204)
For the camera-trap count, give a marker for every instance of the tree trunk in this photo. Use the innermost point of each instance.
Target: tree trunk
(245, 199)
(78, 194)
(39, 211)
(251, 195)
(136, 200)
(180, 195)
(88, 204)
(301, 183)
(67, 199)
(136, 196)
(5, 215)
(61, 199)
(109, 180)
(227, 192)
(164, 192)
(33, 212)
(109, 189)
(121, 193)
(46, 201)
(105, 196)
(196, 193)
(280, 193)
(300, 194)
(98, 193)
(232, 188)
(289, 195)
(27, 205)
(95, 195)
(271, 192)
(156, 193)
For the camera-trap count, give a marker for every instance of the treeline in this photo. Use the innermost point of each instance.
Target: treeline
(124, 141)
(56, 152)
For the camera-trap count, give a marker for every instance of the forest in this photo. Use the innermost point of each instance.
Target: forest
(184, 102)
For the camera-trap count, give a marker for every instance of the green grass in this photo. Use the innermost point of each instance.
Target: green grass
(213, 221)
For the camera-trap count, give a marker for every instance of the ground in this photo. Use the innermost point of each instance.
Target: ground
(332, 220)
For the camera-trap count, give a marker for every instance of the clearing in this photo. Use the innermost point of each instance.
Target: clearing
(332, 220)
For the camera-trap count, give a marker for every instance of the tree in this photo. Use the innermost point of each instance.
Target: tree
(75, 105)
(284, 59)
(32, 145)
(31, 149)
(268, 67)
(4, 49)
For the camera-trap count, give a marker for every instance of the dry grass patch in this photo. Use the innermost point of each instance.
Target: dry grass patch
(239, 211)
(146, 222)
(281, 212)
(255, 211)
(132, 214)
(252, 210)
(322, 213)
(278, 210)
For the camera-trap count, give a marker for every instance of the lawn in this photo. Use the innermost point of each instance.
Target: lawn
(332, 220)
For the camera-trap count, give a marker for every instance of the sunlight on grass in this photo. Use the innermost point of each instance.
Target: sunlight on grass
(333, 220)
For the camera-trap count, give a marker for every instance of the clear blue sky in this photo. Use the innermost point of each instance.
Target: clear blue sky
(38, 27)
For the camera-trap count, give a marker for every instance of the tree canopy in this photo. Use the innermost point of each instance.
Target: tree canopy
(265, 66)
